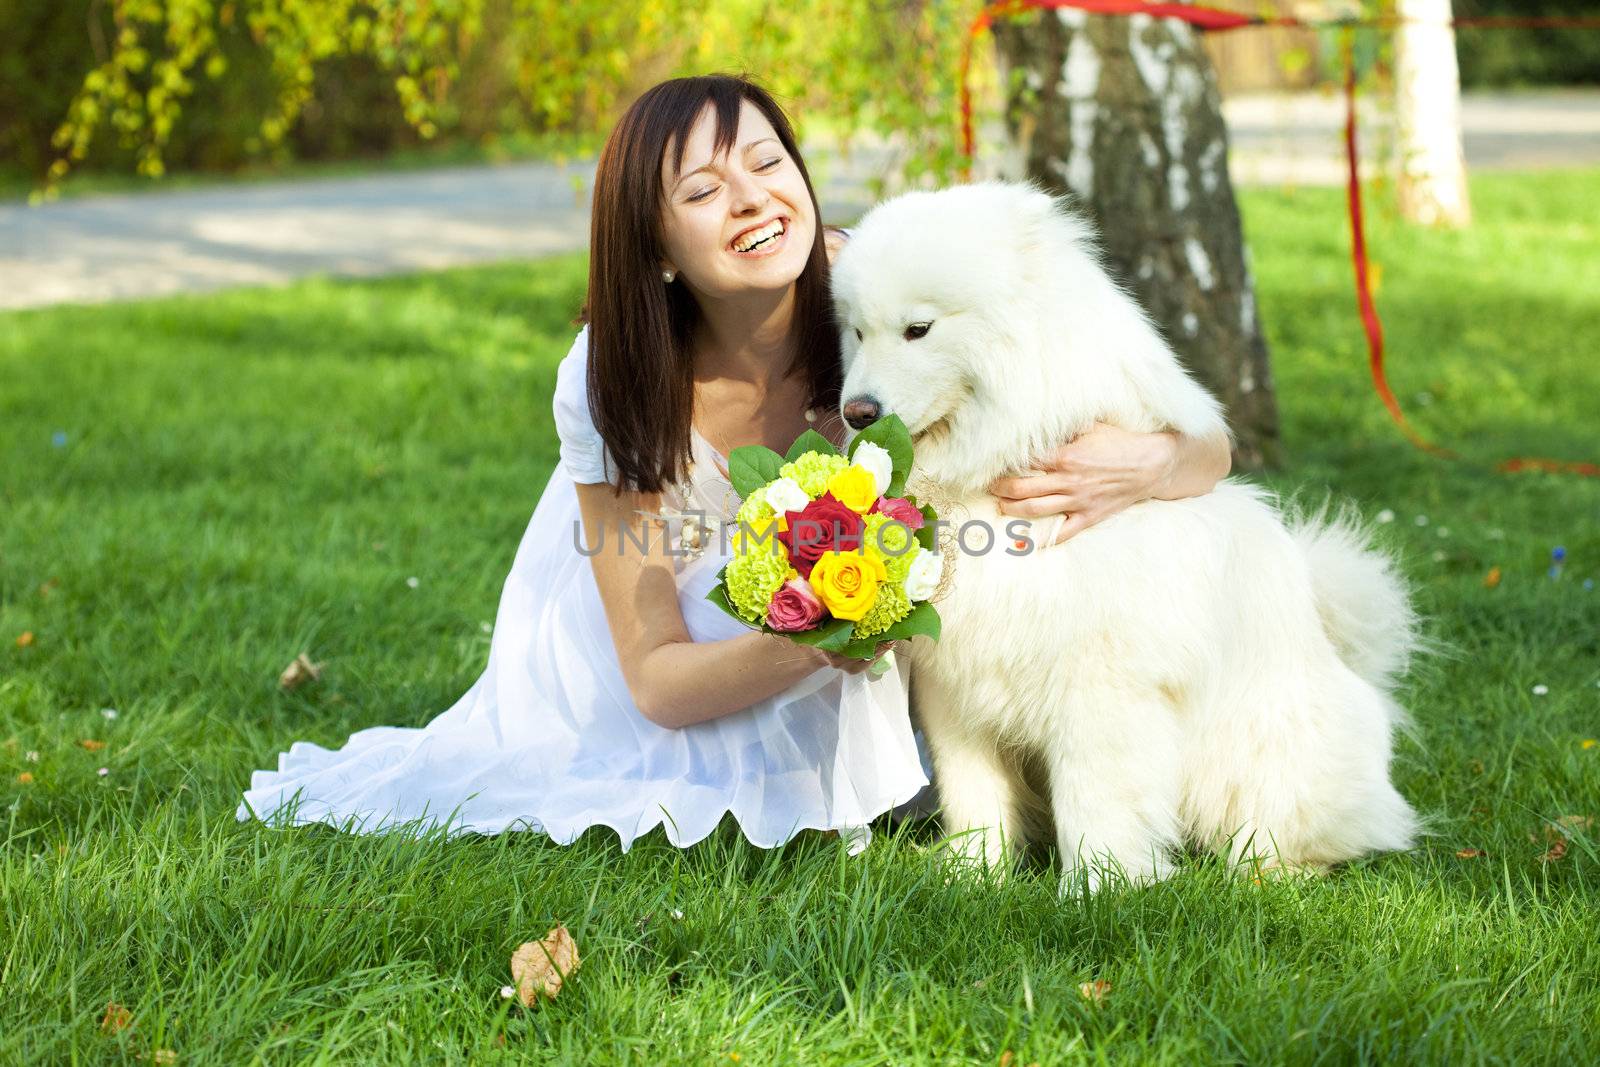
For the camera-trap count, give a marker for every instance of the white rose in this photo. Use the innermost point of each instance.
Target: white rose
(785, 494)
(922, 577)
(876, 459)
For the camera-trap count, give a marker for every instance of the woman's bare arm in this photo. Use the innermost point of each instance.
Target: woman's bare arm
(675, 681)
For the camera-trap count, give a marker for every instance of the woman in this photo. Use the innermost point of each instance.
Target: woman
(615, 693)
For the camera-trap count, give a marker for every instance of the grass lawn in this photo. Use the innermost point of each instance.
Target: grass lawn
(194, 490)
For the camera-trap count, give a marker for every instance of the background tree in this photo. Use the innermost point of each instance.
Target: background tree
(1432, 180)
(1124, 114)
(480, 70)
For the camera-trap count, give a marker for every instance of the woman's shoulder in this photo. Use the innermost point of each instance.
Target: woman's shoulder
(572, 373)
(583, 452)
(833, 239)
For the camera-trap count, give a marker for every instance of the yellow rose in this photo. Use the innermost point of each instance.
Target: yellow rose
(847, 583)
(855, 488)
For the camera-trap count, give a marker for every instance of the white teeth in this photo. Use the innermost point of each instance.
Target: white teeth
(755, 237)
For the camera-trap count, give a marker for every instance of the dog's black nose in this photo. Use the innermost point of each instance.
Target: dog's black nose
(861, 412)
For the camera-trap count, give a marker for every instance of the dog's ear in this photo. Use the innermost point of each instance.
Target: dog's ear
(1047, 221)
(1033, 211)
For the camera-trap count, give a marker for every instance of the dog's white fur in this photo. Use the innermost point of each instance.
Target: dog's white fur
(1193, 671)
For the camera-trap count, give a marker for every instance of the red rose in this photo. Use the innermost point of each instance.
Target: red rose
(823, 525)
(899, 509)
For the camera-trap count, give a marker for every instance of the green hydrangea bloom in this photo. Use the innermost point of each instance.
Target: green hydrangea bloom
(890, 607)
(812, 470)
(755, 514)
(752, 579)
(895, 537)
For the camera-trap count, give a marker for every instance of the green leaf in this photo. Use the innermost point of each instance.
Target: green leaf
(832, 635)
(891, 435)
(752, 466)
(863, 647)
(924, 536)
(810, 441)
(922, 622)
(720, 598)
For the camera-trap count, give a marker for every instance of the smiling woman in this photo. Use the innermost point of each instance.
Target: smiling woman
(616, 694)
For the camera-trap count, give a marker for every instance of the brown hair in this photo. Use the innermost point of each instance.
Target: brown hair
(641, 374)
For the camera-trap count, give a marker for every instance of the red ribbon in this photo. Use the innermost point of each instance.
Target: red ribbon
(1208, 18)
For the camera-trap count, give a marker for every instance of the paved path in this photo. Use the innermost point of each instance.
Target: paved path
(1299, 139)
(148, 244)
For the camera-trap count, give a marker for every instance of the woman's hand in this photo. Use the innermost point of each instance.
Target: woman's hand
(849, 664)
(1104, 469)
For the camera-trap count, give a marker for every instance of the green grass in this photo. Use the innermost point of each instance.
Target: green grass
(250, 474)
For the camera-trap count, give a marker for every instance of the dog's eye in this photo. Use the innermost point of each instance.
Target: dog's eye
(858, 333)
(917, 329)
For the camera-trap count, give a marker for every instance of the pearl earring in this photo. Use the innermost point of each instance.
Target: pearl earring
(811, 414)
(667, 276)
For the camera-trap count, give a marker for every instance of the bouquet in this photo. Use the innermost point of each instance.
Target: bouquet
(828, 550)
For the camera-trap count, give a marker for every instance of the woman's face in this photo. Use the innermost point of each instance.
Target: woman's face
(717, 207)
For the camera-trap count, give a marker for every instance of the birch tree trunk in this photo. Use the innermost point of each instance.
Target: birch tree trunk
(1124, 114)
(1433, 172)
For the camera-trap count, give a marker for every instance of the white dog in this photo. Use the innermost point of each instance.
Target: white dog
(1187, 671)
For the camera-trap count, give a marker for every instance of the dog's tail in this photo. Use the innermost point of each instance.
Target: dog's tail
(1361, 596)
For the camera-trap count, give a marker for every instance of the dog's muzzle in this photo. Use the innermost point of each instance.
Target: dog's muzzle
(861, 412)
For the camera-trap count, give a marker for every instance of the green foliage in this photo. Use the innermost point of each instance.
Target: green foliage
(491, 69)
(922, 622)
(1517, 57)
(752, 466)
(810, 441)
(831, 636)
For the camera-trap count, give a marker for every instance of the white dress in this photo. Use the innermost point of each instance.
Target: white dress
(549, 739)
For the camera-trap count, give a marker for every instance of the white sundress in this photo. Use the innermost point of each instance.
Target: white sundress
(549, 739)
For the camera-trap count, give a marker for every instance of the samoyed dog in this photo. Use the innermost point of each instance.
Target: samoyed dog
(1199, 672)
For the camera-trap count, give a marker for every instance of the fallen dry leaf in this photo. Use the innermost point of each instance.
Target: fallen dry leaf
(1492, 579)
(25, 778)
(1557, 841)
(1471, 854)
(164, 1056)
(24, 639)
(1094, 991)
(1007, 1058)
(298, 673)
(116, 1018)
(1576, 822)
(92, 745)
(540, 967)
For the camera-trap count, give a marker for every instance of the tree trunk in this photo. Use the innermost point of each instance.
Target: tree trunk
(1124, 114)
(1433, 174)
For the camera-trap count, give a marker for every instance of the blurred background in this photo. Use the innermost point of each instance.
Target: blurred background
(488, 80)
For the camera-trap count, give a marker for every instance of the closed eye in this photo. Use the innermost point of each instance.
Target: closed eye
(768, 165)
(917, 330)
(858, 333)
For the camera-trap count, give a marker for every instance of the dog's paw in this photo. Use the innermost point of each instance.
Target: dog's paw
(1273, 869)
(1088, 878)
(960, 862)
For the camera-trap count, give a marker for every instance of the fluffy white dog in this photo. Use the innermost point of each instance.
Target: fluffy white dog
(1194, 671)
